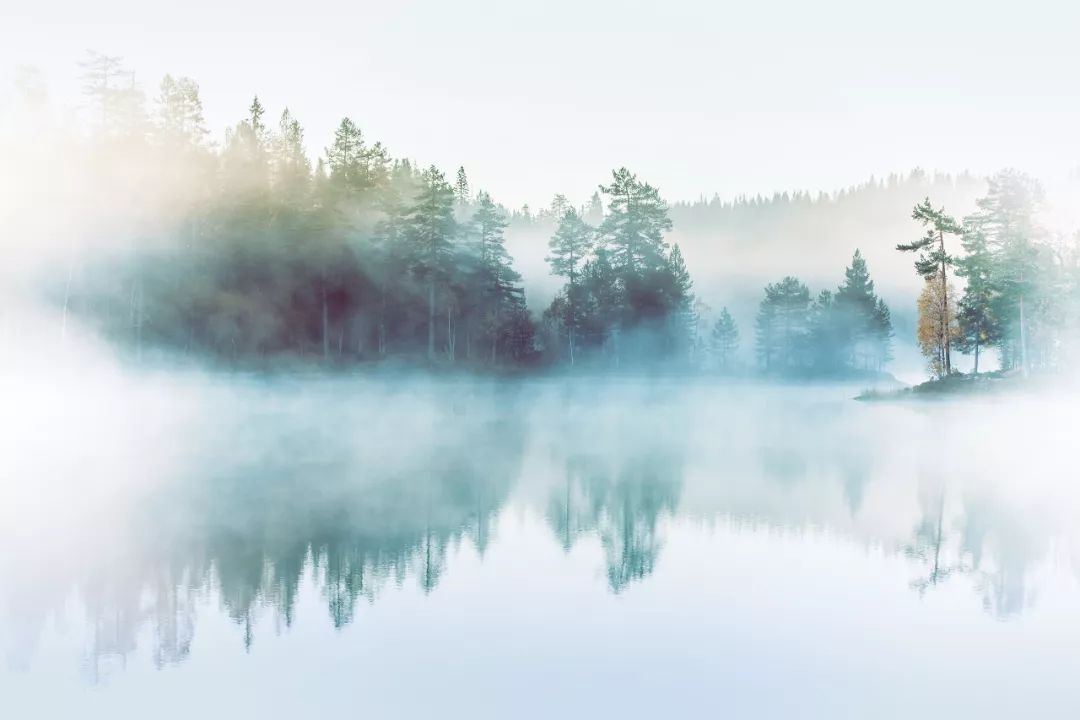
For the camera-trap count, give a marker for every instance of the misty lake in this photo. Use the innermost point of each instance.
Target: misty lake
(184, 546)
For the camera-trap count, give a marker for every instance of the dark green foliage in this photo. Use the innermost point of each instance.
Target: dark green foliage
(461, 187)
(570, 246)
(263, 258)
(1009, 265)
(783, 326)
(835, 334)
(633, 303)
(979, 326)
(725, 341)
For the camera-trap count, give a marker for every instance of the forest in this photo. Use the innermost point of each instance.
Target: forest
(246, 252)
(1021, 282)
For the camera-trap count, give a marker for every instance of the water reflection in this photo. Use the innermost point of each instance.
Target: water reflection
(263, 502)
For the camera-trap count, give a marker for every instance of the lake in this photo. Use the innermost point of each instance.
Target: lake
(178, 545)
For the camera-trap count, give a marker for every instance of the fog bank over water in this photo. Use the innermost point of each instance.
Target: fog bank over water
(180, 518)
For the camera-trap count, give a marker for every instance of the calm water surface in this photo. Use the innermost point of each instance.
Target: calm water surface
(185, 547)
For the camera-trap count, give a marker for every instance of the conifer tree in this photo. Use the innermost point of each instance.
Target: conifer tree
(680, 299)
(635, 224)
(497, 277)
(430, 229)
(979, 327)
(1006, 217)
(180, 112)
(461, 187)
(934, 261)
(863, 323)
(725, 340)
(571, 244)
(783, 325)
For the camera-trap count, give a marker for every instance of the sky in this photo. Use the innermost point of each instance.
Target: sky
(533, 99)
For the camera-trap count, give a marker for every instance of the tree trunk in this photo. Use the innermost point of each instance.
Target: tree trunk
(976, 354)
(451, 338)
(382, 322)
(325, 326)
(431, 322)
(1023, 338)
(945, 305)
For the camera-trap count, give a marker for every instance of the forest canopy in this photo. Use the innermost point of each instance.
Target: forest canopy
(259, 248)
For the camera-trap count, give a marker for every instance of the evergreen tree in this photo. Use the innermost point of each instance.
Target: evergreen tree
(783, 326)
(883, 333)
(180, 112)
(354, 165)
(934, 262)
(559, 206)
(725, 341)
(1006, 219)
(255, 115)
(602, 300)
(101, 77)
(292, 169)
(863, 323)
(979, 327)
(429, 229)
(680, 299)
(635, 224)
(594, 214)
(497, 277)
(461, 187)
(569, 247)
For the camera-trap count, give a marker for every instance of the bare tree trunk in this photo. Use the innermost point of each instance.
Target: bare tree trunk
(325, 325)
(382, 322)
(976, 354)
(431, 322)
(945, 305)
(451, 336)
(1023, 338)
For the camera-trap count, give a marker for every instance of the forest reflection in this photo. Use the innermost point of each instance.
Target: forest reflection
(261, 508)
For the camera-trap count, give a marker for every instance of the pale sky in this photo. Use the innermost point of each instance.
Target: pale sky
(544, 97)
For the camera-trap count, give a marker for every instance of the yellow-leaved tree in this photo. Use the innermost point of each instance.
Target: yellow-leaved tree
(934, 335)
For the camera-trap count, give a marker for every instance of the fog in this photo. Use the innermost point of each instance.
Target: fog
(279, 414)
(161, 518)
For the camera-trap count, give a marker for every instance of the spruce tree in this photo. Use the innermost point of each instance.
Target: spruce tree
(725, 340)
(429, 229)
(979, 327)
(680, 300)
(635, 224)
(1006, 218)
(568, 248)
(461, 187)
(863, 324)
(497, 277)
(783, 325)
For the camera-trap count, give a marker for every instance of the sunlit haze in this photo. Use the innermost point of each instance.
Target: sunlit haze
(539, 98)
